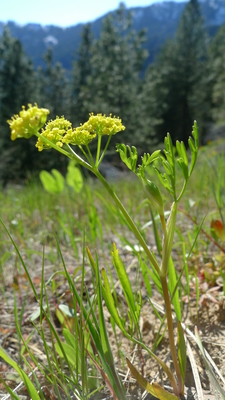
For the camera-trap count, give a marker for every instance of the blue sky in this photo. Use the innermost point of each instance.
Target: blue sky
(61, 12)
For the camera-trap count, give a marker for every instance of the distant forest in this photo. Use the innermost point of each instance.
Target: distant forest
(186, 82)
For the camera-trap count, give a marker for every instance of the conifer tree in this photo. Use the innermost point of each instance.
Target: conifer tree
(180, 77)
(17, 80)
(17, 87)
(217, 63)
(112, 76)
(54, 87)
(81, 70)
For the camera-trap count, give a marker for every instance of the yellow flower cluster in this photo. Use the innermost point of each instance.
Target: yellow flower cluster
(28, 122)
(60, 131)
(78, 137)
(102, 125)
(54, 131)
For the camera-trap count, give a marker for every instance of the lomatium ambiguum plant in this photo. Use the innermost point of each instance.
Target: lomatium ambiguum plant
(60, 135)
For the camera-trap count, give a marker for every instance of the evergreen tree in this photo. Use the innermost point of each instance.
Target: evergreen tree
(81, 70)
(158, 86)
(180, 78)
(112, 76)
(17, 88)
(54, 87)
(217, 63)
(17, 81)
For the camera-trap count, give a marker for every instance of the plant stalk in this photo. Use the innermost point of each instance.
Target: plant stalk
(132, 224)
(170, 331)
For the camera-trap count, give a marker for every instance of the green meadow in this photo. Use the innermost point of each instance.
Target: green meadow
(57, 317)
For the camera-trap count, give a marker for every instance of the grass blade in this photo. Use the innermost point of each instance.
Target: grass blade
(27, 382)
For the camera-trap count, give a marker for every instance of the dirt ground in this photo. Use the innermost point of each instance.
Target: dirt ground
(208, 316)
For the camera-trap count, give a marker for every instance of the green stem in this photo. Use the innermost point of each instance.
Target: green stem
(77, 158)
(134, 228)
(104, 151)
(98, 150)
(163, 222)
(89, 159)
(170, 331)
(90, 155)
(182, 191)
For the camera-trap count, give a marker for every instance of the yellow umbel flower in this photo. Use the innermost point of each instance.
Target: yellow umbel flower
(78, 137)
(60, 131)
(28, 122)
(54, 132)
(101, 125)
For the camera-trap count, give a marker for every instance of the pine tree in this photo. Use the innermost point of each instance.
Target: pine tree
(181, 75)
(17, 81)
(81, 70)
(217, 63)
(17, 88)
(112, 77)
(54, 87)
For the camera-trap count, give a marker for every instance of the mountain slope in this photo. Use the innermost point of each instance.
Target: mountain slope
(160, 19)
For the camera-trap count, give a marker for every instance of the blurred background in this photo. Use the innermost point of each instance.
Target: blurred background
(157, 65)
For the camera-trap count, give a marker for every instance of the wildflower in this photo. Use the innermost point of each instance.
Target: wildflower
(54, 131)
(28, 122)
(101, 125)
(78, 137)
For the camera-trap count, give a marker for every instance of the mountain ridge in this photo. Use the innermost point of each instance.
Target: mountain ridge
(160, 19)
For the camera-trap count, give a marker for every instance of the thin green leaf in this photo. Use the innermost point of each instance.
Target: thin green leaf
(70, 353)
(194, 145)
(140, 379)
(125, 282)
(182, 354)
(156, 232)
(168, 168)
(148, 159)
(195, 134)
(184, 153)
(162, 394)
(69, 337)
(104, 377)
(129, 161)
(103, 332)
(183, 167)
(9, 390)
(106, 290)
(178, 147)
(154, 389)
(172, 284)
(164, 180)
(186, 270)
(114, 377)
(27, 382)
(145, 276)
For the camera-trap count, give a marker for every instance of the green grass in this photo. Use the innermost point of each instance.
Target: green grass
(64, 225)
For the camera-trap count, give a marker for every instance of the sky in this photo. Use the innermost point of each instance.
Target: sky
(61, 12)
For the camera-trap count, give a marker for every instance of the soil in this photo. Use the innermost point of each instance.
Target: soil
(208, 314)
